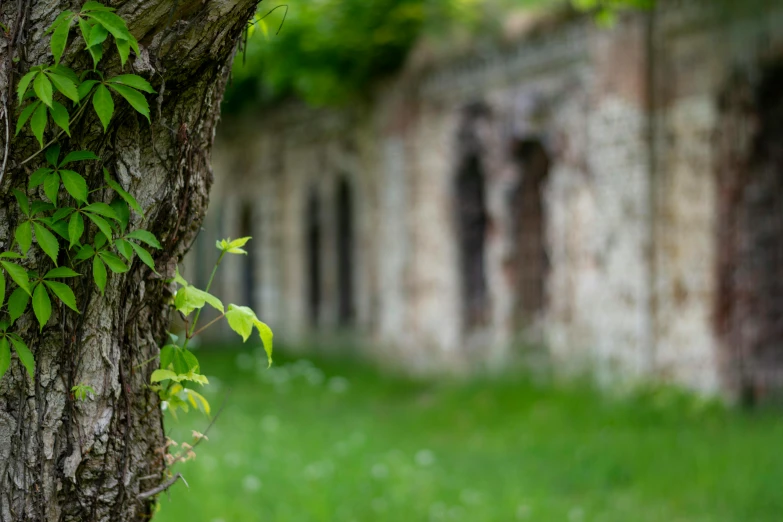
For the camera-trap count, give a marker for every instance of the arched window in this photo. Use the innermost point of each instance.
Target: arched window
(472, 229)
(471, 217)
(528, 211)
(345, 253)
(313, 264)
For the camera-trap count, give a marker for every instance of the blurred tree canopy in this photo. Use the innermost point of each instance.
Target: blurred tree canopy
(326, 52)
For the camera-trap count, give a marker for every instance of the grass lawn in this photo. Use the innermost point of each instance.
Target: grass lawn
(338, 442)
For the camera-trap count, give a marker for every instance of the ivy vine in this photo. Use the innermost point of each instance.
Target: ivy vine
(77, 229)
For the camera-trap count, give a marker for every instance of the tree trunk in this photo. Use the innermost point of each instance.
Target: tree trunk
(71, 460)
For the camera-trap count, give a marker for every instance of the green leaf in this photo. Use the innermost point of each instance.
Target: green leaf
(99, 240)
(114, 262)
(24, 83)
(62, 70)
(52, 154)
(60, 116)
(145, 256)
(64, 293)
(266, 339)
(47, 241)
(61, 214)
(97, 53)
(58, 227)
(123, 48)
(24, 236)
(132, 80)
(98, 35)
(125, 248)
(25, 115)
(103, 105)
(134, 97)
(18, 274)
(113, 23)
(99, 273)
(75, 229)
(52, 186)
(145, 237)
(85, 87)
(42, 305)
(167, 355)
(134, 45)
(60, 272)
(130, 200)
(61, 18)
(75, 185)
(5, 356)
(65, 86)
(25, 356)
(102, 225)
(85, 27)
(101, 209)
(123, 212)
(162, 375)
(39, 176)
(39, 206)
(43, 89)
(17, 304)
(79, 155)
(241, 320)
(85, 252)
(2, 289)
(21, 198)
(180, 364)
(38, 123)
(190, 298)
(191, 362)
(233, 247)
(197, 400)
(60, 38)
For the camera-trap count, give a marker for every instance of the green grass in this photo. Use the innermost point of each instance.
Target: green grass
(338, 442)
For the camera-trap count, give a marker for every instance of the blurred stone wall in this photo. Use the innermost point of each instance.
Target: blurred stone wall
(628, 118)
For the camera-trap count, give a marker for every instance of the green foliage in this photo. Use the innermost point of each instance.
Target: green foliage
(42, 84)
(8, 339)
(179, 368)
(81, 390)
(71, 226)
(329, 52)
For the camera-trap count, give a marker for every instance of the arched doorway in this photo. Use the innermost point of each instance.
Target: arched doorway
(345, 253)
(471, 220)
(313, 241)
(531, 258)
(750, 235)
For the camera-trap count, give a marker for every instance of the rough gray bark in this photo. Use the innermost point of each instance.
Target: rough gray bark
(62, 459)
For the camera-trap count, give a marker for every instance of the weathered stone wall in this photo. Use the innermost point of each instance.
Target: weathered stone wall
(627, 118)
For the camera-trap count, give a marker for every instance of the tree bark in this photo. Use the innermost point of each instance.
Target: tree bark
(61, 458)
